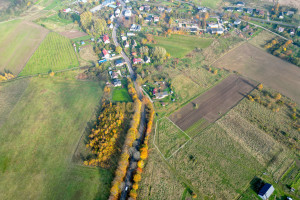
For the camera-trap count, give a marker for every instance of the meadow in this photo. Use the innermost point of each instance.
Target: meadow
(180, 45)
(120, 95)
(209, 3)
(18, 41)
(169, 137)
(38, 139)
(54, 54)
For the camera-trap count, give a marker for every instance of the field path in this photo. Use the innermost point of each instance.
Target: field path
(265, 68)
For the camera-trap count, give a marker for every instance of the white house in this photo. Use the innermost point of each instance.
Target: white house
(130, 34)
(67, 10)
(155, 18)
(127, 13)
(118, 11)
(266, 191)
(237, 22)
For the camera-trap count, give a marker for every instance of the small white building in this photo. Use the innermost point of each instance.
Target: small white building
(67, 10)
(266, 191)
(127, 13)
(155, 18)
(237, 22)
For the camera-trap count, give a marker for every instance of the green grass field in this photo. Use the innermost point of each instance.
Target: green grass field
(208, 3)
(121, 95)
(18, 41)
(39, 137)
(180, 45)
(55, 53)
(168, 137)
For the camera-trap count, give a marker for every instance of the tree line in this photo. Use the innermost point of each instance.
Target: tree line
(131, 136)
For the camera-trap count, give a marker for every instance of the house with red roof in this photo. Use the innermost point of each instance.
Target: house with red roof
(137, 60)
(106, 39)
(105, 53)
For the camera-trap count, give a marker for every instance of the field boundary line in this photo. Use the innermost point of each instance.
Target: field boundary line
(176, 149)
(178, 127)
(179, 149)
(154, 140)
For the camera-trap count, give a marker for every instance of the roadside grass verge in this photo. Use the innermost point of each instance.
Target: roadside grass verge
(180, 45)
(55, 53)
(38, 140)
(169, 137)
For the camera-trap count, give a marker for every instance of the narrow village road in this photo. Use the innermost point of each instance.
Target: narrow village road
(142, 126)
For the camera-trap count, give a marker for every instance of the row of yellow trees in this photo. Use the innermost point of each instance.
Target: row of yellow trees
(130, 138)
(143, 150)
(103, 138)
(6, 76)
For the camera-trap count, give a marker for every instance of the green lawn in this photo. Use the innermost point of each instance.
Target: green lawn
(18, 41)
(55, 53)
(121, 95)
(180, 45)
(39, 138)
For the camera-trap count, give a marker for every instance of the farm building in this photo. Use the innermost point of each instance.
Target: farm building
(266, 191)
(240, 3)
(161, 95)
(217, 30)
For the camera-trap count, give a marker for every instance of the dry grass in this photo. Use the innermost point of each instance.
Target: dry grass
(87, 53)
(261, 39)
(157, 181)
(215, 164)
(168, 137)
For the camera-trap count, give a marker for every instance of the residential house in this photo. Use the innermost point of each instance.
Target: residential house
(169, 10)
(280, 29)
(133, 53)
(148, 19)
(106, 39)
(126, 1)
(202, 9)
(105, 53)
(130, 34)
(292, 32)
(237, 22)
(266, 191)
(133, 27)
(229, 9)
(147, 8)
(117, 12)
(239, 9)
(250, 11)
(126, 44)
(217, 30)
(260, 12)
(212, 25)
(118, 4)
(128, 7)
(161, 95)
(246, 28)
(117, 83)
(281, 16)
(147, 59)
(155, 18)
(160, 8)
(127, 13)
(134, 44)
(114, 75)
(124, 38)
(120, 62)
(67, 10)
(290, 13)
(137, 61)
(111, 26)
(141, 8)
(240, 3)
